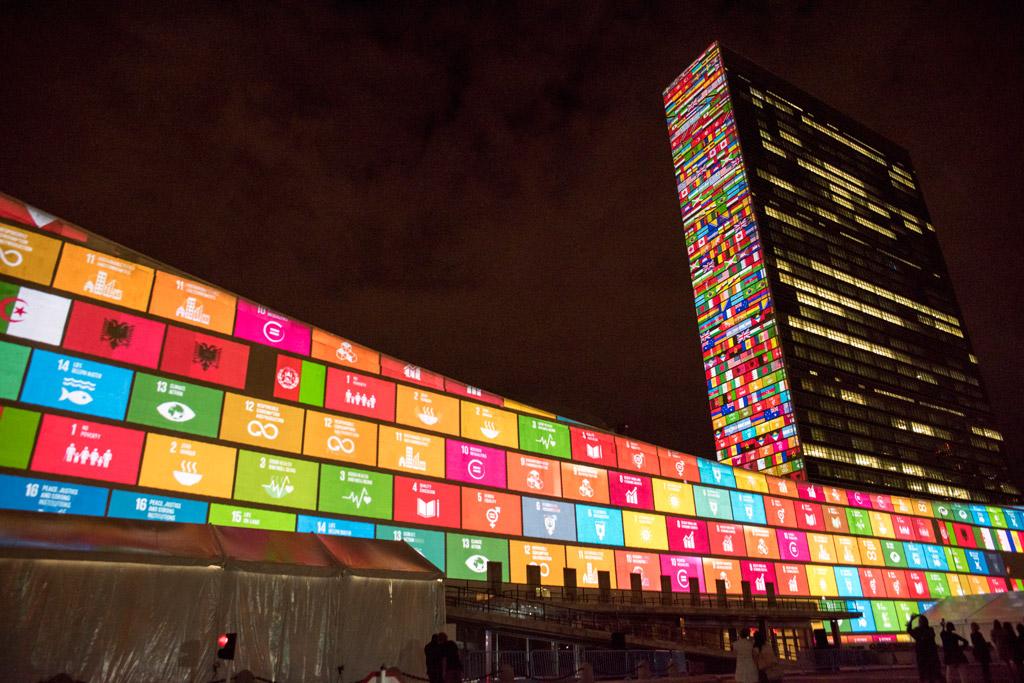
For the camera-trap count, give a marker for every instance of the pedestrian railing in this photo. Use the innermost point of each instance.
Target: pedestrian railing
(552, 665)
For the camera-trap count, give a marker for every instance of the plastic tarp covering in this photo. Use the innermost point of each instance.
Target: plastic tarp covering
(983, 609)
(105, 600)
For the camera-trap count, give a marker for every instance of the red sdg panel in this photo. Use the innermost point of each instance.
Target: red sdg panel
(205, 357)
(491, 512)
(399, 369)
(351, 392)
(637, 456)
(593, 448)
(90, 450)
(112, 334)
(426, 502)
(678, 465)
(630, 491)
(688, 535)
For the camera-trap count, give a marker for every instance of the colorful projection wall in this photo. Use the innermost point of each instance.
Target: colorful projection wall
(747, 387)
(131, 391)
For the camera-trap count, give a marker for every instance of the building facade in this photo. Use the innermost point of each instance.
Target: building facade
(833, 346)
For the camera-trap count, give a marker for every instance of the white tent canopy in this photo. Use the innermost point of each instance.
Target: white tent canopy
(106, 600)
(983, 609)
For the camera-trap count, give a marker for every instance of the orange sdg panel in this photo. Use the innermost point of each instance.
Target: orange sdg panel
(533, 475)
(340, 438)
(548, 556)
(583, 483)
(588, 562)
(107, 278)
(716, 569)
(176, 464)
(427, 410)
(487, 423)
(193, 303)
(334, 349)
(261, 423)
(27, 255)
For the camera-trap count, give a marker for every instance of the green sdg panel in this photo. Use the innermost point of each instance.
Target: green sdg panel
(176, 405)
(544, 436)
(276, 480)
(358, 493)
(13, 359)
(17, 433)
(468, 556)
(232, 515)
(429, 544)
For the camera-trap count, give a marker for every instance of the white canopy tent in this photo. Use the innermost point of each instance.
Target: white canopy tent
(117, 600)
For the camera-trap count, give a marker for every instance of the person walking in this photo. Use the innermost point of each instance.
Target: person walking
(768, 668)
(746, 668)
(434, 655)
(1012, 648)
(953, 650)
(925, 651)
(1004, 651)
(1018, 651)
(451, 663)
(982, 652)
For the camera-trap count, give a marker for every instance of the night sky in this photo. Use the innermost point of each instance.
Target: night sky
(487, 190)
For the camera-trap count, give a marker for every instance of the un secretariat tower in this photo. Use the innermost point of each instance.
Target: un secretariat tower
(832, 342)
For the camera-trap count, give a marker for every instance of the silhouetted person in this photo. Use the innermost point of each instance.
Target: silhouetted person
(450, 660)
(434, 655)
(1012, 648)
(982, 652)
(746, 667)
(953, 649)
(1018, 649)
(925, 650)
(1004, 648)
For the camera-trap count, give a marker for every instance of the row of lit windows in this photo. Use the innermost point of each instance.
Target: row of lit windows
(807, 349)
(837, 274)
(840, 250)
(839, 137)
(851, 323)
(875, 403)
(814, 208)
(986, 432)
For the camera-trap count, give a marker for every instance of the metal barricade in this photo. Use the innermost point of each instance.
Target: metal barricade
(552, 663)
(517, 659)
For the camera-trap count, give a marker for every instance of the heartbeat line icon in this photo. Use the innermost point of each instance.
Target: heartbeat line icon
(547, 441)
(359, 499)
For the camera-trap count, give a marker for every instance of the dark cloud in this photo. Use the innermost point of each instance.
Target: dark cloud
(487, 189)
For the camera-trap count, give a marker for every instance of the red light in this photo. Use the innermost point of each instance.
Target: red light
(222, 640)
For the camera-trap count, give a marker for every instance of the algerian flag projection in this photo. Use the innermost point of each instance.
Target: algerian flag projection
(31, 314)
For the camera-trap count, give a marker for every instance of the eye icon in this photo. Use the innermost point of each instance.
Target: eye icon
(477, 563)
(175, 411)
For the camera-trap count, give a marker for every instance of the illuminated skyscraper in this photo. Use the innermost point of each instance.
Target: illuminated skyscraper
(833, 345)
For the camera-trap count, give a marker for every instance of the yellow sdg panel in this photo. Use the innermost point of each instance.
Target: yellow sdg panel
(413, 452)
(27, 255)
(107, 278)
(871, 552)
(427, 410)
(549, 557)
(487, 423)
(340, 438)
(588, 562)
(644, 530)
(261, 423)
(673, 497)
(175, 464)
(821, 581)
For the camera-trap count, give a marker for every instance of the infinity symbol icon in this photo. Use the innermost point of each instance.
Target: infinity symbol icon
(266, 430)
(11, 258)
(334, 444)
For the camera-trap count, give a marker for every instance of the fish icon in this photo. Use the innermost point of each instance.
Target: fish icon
(79, 397)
